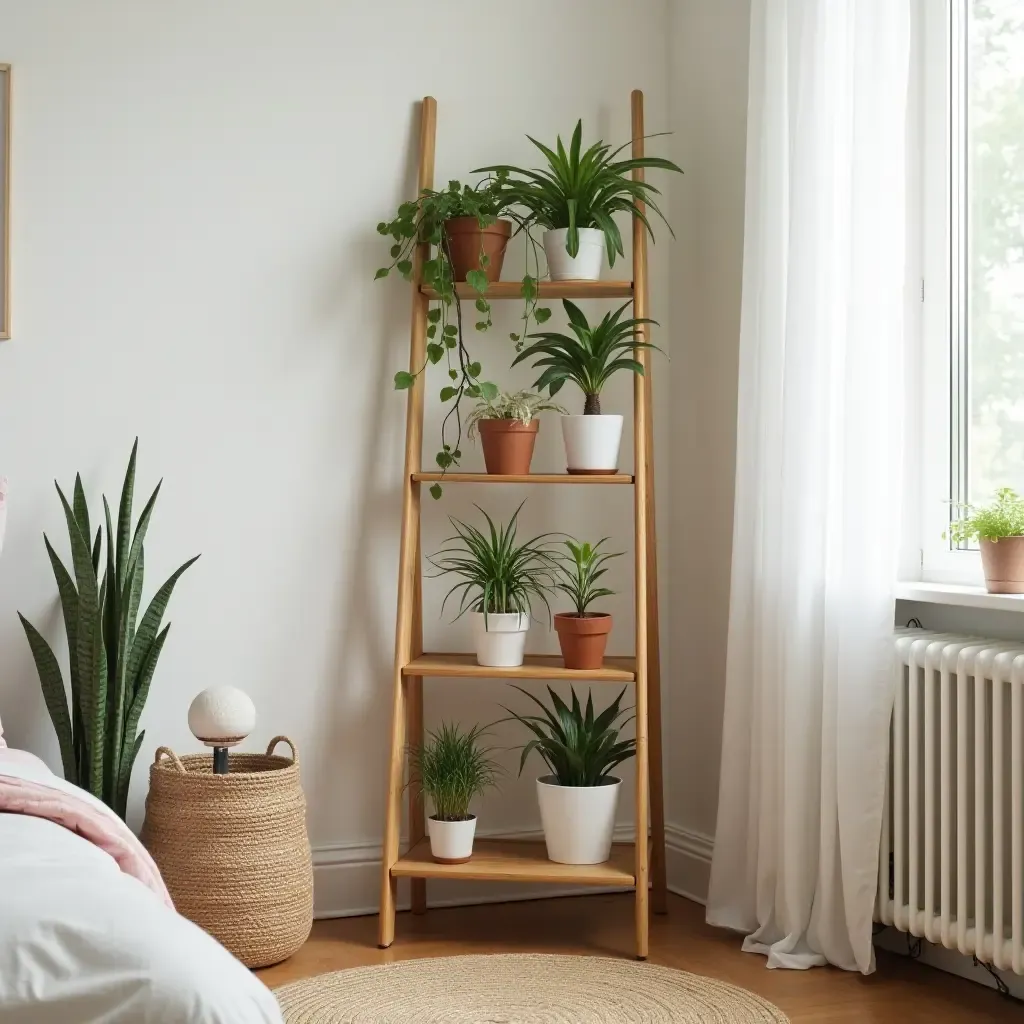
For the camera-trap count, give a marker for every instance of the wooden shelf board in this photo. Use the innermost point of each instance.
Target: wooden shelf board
(516, 860)
(546, 290)
(536, 666)
(527, 478)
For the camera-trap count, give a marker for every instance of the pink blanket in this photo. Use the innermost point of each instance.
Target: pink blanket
(27, 786)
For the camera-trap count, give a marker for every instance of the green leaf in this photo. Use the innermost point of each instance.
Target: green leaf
(529, 288)
(488, 391)
(451, 343)
(435, 353)
(483, 305)
(477, 280)
(434, 314)
(513, 336)
(482, 325)
(474, 370)
(405, 267)
(454, 374)
(432, 331)
(451, 330)
(395, 250)
(383, 272)
(403, 380)
(542, 314)
(435, 491)
(447, 394)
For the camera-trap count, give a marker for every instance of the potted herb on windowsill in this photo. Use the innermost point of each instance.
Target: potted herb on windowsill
(583, 634)
(452, 768)
(588, 357)
(999, 527)
(508, 427)
(499, 582)
(578, 797)
(575, 198)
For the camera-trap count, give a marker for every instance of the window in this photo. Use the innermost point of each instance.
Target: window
(973, 265)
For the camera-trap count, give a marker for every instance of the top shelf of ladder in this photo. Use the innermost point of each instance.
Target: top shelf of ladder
(546, 290)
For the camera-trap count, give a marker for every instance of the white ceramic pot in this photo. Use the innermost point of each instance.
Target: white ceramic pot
(592, 443)
(451, 842)
(578, 820)
(502, 641)
(585, 265)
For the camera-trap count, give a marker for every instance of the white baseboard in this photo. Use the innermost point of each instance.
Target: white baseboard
(347, 876)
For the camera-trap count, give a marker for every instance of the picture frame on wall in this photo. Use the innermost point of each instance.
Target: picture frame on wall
(5, 201)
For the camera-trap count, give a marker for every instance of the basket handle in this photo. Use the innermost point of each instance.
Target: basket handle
(283, 739)
(160, 751)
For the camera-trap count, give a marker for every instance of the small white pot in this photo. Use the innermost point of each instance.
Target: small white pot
(451, 842)
(578, 820)
(585, 265)
(500, 643)
(592, 443)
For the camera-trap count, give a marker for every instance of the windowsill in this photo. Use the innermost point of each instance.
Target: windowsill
(962, 596)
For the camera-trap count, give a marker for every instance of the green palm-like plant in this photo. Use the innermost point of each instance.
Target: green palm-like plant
(581, 189)
(589, 356)
(113, 653)
(579, 571)
(496, 574)
(579, 747)
(452, 768)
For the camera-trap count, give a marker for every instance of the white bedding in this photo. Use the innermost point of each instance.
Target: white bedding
(80, 941)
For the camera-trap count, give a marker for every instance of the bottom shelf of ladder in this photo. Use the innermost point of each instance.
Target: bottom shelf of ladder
(519, 860)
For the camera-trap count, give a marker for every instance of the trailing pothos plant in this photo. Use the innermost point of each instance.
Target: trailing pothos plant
(113, 653)
(421, 221)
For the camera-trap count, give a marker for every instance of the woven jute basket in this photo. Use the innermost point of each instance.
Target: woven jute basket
(233, 849)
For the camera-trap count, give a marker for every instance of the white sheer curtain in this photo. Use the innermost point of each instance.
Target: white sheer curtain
(818, 487)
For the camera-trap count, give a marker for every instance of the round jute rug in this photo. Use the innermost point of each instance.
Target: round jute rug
(520, 989)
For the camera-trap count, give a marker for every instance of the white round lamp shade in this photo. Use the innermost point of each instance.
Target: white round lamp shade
(222, 716)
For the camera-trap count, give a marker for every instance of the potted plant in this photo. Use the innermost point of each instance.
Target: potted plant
(452, 768)
(467, 240)
(576, 198)
(113, 652)
(583, 634)
(588, 357)
(1000, 529)
(499, 581)
(578, 797)
(508, 427)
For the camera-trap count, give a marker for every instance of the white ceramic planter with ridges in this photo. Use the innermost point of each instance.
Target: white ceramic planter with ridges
(578, 820)
(586, 265)
(592, 443)
(501, 642)
(451, 842)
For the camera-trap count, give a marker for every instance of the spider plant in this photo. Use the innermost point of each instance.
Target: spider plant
(521, 406)
(578, 747)
(581, 189)
(496, 574)
(589, 356)
(452, 768)
(579, 571)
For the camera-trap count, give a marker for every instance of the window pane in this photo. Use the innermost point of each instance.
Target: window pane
(994, 254)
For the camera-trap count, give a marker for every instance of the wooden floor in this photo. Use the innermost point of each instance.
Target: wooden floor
(901, 992)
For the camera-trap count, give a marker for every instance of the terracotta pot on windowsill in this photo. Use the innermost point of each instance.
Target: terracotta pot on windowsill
(583, 638)
(466, 240)
(508, 445)
(1003, 561)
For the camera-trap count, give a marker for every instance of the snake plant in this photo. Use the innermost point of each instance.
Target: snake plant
(112, 652)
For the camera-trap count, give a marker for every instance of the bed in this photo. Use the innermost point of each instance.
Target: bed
(87, 934)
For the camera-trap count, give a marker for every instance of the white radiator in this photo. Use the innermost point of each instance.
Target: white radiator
(951, 868)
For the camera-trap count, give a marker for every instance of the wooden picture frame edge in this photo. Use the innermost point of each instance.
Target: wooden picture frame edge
(5, 200)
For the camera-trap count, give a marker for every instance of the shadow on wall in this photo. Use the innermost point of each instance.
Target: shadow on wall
(358, 706)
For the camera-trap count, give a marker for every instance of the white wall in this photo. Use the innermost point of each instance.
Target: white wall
(195, 193)
(709, 103)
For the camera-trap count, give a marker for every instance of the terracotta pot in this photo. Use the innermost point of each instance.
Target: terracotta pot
(1003, 561)
(465, 240)
(583, 638)
(508, 445)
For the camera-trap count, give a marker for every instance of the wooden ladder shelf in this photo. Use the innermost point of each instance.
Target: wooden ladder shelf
(639, 865)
